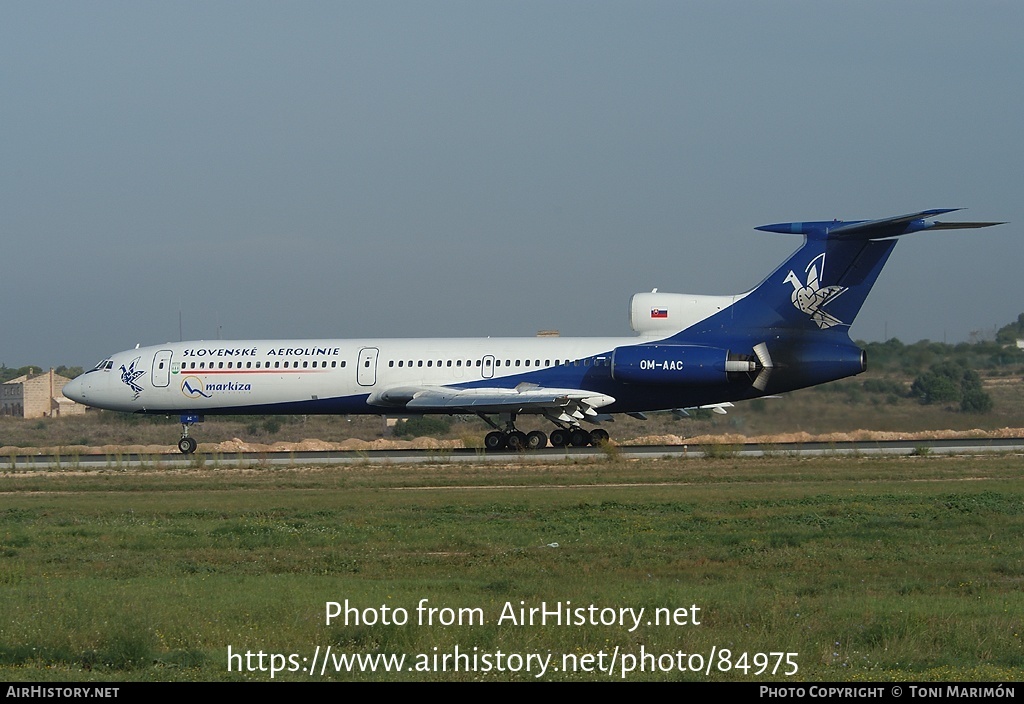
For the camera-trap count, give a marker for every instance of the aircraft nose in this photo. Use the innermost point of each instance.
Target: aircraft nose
(75, 390)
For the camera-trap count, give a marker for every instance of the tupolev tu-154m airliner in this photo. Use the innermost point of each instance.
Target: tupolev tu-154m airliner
(691, 351)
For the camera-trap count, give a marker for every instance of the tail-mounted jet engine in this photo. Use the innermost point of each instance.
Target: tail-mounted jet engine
(689, 365)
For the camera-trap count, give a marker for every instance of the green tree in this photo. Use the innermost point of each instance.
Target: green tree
(952, 382)
(6, 373)
(1009, 334)
(940, 384)
(883, 355)
(973, 398)
(976, 401)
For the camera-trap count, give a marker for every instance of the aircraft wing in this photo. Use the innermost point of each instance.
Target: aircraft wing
(525, 398)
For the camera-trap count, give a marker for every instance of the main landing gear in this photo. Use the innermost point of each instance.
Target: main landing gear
(512, 439)
(187, 445)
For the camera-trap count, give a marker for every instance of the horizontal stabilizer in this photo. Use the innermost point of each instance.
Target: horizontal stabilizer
(874, 229)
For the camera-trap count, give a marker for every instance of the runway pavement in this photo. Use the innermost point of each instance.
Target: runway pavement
(20, 463)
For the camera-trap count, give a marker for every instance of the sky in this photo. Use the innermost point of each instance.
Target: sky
(420, 169)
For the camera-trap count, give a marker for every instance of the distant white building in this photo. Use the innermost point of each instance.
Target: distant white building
(37, 396)
(1020, 343)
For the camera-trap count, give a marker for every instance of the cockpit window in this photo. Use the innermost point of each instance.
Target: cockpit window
(103, 365)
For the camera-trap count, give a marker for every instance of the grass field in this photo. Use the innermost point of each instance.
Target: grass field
(871, 569)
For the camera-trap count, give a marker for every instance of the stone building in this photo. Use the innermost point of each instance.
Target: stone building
(37, 396)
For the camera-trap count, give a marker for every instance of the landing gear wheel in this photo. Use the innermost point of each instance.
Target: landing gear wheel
(494, 441)
(559, 438)
(516, 440)
(598, 437)
(579, 437)
(187, 445)
(536, 440)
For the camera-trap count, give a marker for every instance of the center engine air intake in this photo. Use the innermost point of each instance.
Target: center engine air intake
(679, 364)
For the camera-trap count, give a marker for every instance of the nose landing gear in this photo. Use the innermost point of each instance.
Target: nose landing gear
(187, 445)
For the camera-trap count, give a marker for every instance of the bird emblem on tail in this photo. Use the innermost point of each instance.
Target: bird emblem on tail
(810, 298)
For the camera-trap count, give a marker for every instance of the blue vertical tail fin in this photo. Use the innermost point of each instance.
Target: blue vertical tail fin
(824, 284)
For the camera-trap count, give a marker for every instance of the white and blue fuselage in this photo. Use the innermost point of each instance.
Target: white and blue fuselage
(332, 376)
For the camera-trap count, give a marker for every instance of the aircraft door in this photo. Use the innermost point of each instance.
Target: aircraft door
(487, 370)
(366, 367)
(161, 374)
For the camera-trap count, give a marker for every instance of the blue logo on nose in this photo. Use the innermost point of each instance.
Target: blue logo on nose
(129, 376)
